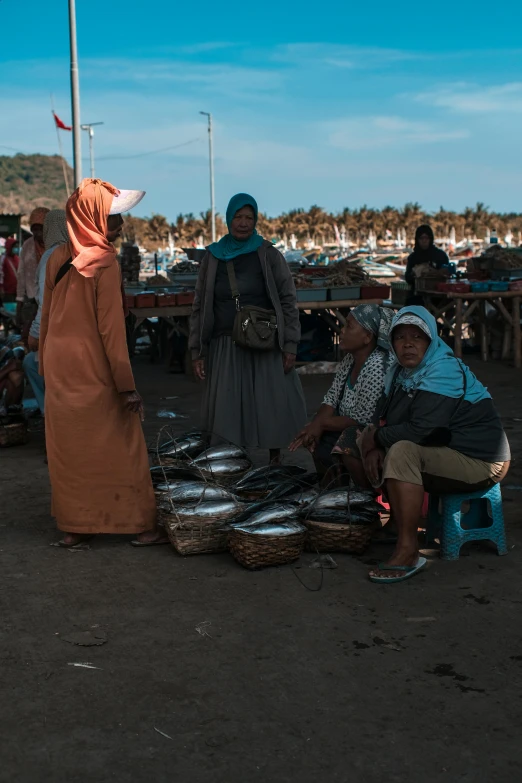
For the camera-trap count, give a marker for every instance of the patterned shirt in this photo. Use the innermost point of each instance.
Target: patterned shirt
(27, 271)
(359, 402)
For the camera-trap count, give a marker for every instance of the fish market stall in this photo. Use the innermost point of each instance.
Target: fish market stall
(486, 301)
(175, 317)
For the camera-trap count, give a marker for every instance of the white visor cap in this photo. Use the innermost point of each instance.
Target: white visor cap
(126, 201)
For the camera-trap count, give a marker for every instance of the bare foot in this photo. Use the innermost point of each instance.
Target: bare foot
(72, 539)
(151, 536)
(401, 557)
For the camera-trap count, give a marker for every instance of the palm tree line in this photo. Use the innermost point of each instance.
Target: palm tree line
(321, 227)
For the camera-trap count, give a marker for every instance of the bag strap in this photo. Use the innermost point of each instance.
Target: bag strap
(63, 271)
(233, 282)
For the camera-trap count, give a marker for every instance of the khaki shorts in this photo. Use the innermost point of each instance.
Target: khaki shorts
(440, 469)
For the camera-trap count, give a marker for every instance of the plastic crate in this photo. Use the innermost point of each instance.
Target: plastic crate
(146, 299)
(312, 294)
(344, 292)
(375, 291)
(185, 298)
(166, 300)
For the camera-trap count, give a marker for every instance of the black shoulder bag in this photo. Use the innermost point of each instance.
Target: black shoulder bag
(254, 327)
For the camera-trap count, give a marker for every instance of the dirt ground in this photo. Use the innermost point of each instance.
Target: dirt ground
(351, 682)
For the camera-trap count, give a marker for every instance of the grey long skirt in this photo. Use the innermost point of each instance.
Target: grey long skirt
(248, 398)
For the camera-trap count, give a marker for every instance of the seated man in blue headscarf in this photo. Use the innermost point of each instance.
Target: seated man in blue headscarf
(439, 432)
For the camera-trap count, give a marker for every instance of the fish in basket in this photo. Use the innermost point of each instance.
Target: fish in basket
(176, 449)
(342, 521)
(271, 536)
(267, 544)
(200, 528)
(184, 492)
(260, 482)
(224, 471)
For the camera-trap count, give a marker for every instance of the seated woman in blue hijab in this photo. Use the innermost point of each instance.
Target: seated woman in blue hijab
(439, 432)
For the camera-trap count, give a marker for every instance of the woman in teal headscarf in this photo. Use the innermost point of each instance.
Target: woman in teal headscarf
(439, 432)
(252, 398)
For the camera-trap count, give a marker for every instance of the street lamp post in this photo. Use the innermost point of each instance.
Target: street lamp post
(75, 96)
(89, 127)
(211, 163)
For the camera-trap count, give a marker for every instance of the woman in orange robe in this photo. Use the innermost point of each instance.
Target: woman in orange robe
(97, 456)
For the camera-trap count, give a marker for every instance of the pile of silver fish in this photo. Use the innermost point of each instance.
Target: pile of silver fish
(176, 493)
(207, 511)
(286, 528)
(341, 506)
(206, 483)
(189, 445)
(267, 478)
(190, 457)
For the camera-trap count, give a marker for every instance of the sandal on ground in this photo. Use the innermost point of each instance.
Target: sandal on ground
(406, 572)
(154, 542)
(83, 540)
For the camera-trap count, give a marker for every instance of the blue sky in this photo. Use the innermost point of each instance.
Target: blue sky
(333, 104)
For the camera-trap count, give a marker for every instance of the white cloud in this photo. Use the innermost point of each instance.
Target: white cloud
(466, 98)
(336, 56)
(360, 133)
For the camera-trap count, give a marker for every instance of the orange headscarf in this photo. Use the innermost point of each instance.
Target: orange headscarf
(87, 211)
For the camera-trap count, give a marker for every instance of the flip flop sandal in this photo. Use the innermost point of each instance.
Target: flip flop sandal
(406, 571)
(64, 545)
(150, 543)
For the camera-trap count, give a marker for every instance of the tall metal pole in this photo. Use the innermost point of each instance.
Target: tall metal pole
(91, 150)
(211, 162)
(89, 127)
(75, 96)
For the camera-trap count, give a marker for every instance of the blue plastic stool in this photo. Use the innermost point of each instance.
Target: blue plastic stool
(454, 528)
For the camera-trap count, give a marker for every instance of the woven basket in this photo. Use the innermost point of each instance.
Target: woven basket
(13, 434)
(195, 538)
(331, 537)
(253, 551)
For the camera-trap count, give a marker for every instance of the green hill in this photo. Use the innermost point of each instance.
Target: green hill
(29, 181)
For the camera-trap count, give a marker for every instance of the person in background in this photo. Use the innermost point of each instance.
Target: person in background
(98, 462)
(8, 270)
(253, 398)
(439, 432)
(11, 379)
(350, 403)
(54, 234)
(32, 251)
(424, 252)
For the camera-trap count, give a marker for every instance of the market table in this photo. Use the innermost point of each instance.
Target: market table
(454, 315)
(176, 318)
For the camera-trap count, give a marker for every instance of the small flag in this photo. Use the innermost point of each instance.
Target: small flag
(60, 123)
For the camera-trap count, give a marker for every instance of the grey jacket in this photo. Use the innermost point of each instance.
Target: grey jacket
(281, 290)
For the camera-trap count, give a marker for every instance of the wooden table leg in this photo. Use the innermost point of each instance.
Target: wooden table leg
(483, 332)
(458, 328)
(517, 344)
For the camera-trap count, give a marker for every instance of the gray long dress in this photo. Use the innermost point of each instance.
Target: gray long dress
(248, 398)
